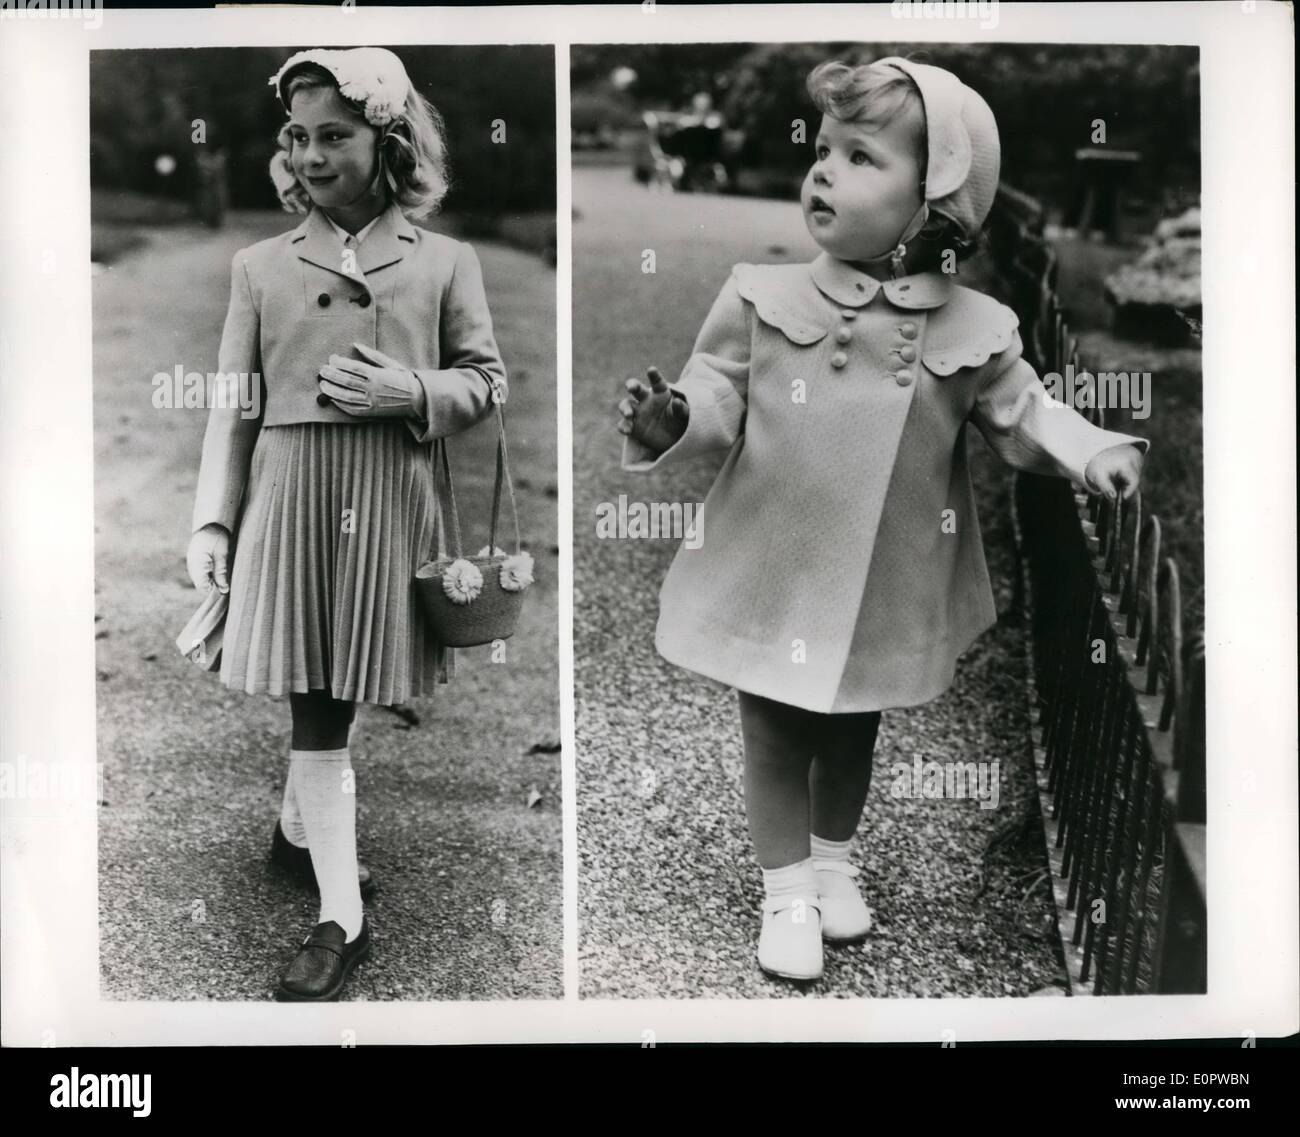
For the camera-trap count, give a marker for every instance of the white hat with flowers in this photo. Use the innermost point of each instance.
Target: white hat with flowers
(370, 76)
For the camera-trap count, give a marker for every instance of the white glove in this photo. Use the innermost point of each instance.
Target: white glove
(380, 388)
(208, 558)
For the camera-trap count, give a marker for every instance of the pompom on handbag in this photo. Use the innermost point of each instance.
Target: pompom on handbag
(470, 601)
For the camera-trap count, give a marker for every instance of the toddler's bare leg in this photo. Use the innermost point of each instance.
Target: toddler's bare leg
(841, 773)
(777, 758)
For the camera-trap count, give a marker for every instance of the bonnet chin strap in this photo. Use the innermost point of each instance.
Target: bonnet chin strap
(896, 255)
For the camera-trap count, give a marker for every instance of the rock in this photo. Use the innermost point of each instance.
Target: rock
(1158, 297)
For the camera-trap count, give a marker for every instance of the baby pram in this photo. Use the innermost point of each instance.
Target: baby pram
(683, 151)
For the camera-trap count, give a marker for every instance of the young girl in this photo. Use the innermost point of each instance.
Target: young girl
(371, 338)
(843, 571)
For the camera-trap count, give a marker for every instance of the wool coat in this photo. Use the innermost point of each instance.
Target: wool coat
(841, 567)
(300, 297)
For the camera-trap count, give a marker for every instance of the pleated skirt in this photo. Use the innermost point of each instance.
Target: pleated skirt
(337, 518)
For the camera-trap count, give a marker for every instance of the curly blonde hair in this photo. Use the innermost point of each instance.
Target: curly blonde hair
(412, 150)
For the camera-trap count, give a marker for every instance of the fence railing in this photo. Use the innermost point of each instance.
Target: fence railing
(1117, 692)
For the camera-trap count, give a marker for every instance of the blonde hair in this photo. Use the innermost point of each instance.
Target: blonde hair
(412, 150)
(868, 93)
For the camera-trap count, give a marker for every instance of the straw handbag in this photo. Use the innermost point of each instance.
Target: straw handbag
(470, 601)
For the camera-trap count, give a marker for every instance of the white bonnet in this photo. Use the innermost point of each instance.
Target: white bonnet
(965, 159)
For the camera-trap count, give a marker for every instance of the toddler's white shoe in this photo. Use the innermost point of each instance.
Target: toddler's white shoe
(790, 942)
(844, 915)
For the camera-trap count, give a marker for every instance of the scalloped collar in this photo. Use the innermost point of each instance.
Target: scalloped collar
(848, 286)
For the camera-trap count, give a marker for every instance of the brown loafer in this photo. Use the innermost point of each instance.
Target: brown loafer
(323, 963)
(295, 863)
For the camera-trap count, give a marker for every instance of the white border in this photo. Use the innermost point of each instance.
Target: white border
(48, 989)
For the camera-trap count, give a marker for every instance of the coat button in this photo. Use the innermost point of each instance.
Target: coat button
(363, 299)
(839, 359)
(323, 299)
(850, 313)
(907, 331)
(903, 378)
(843, 335)
(908, 353)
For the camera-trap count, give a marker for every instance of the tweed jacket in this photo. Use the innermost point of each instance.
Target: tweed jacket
(296, 299)
(840, 566)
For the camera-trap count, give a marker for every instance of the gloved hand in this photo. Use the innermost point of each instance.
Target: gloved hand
(380, 388)
(208, 558)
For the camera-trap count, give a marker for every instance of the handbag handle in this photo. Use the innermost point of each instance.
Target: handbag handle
(439, 459)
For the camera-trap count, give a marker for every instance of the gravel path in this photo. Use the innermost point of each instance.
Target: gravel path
(668, 888)
(469, 871)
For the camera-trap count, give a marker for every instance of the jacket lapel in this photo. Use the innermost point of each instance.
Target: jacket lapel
(387, 242)
(384, 245)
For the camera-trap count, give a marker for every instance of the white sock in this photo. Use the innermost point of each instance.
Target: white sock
(824, 850)
(290, 815)
(328, 803)
(797, 879)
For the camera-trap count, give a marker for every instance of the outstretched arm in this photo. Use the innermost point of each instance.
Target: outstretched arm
(714, 387)
(1030, 431)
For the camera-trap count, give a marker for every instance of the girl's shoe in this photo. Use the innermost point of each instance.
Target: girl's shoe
(323, 964)
(295, 863)
(788, 948)
(845, 918)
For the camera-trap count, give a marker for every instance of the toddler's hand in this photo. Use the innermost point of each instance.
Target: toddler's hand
(208, 557)
(653, 417)
(1115, 471)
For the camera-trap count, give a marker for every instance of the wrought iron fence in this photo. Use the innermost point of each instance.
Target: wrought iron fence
(1117, 692)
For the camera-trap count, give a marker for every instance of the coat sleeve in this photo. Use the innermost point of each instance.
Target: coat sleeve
(714, 383)
(231, 431)
(459, 394)
(1031, 431)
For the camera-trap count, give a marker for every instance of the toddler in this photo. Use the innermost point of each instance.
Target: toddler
(844, 572)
